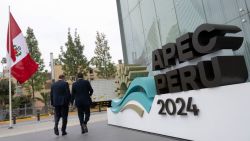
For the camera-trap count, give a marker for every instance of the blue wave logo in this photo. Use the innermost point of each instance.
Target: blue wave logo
(141, 90)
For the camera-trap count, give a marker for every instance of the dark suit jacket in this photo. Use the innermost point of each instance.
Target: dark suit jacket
(81, 93)
(60, 93)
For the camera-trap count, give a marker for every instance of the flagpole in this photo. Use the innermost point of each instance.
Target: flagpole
(10, 101)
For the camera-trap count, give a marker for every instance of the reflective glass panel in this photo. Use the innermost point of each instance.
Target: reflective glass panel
(128, 39)
(221, 11)
(190, 14)
(132, 4)
(124, 8)
(138, 36)
(167, 21)
(150, 26)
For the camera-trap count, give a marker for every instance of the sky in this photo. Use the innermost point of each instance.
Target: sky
(50, 20)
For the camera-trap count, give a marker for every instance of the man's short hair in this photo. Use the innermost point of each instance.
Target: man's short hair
(80, 75)
(61, 76)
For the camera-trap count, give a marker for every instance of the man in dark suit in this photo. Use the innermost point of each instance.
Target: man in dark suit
(60, 99)
(81, 93)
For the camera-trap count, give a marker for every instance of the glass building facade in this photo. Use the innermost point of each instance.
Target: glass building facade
(146, 25)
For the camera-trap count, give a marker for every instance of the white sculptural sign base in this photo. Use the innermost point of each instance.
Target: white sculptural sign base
(223, 115)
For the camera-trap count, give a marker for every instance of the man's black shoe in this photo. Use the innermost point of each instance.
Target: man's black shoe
(82, 127)
(85, 128)
(64, 133)
(56, 131)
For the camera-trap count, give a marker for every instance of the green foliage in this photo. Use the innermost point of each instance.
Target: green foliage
(4, 60)
(110, 70)
(73, 60)
(57, 62)
(36, 82)
(4, 91)
(20, 101)
(102, 58)
(45, 98)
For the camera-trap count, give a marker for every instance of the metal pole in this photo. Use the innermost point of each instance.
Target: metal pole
(52, 67)
(10, 101)
(25, 110)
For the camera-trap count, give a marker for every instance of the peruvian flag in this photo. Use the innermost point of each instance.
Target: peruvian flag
(21, 63)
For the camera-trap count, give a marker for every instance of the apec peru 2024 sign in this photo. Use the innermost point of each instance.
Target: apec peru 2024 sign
(220, 71)
(164, 103)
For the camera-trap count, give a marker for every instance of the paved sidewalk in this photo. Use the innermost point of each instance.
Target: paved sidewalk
(98, 131)
(45, 124)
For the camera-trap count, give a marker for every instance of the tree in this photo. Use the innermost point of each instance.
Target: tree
(45, 99)
(36, 82)
(57, 62)
(73, 60)
(3, 61)
(102, 58)
(21, 101)
(4, 91)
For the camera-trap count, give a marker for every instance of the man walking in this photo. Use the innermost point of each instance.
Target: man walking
(60, 99)
(81, 93)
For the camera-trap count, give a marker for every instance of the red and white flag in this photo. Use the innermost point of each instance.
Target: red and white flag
(22, 65)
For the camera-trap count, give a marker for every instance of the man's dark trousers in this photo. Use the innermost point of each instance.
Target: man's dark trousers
(61, 112)
(60, 99)
(83, 110)
(81, 94)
